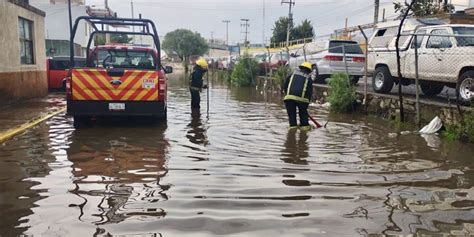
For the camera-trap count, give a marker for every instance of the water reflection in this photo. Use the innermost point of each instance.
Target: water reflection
(197, 131)
(117, 175)
(296, 148)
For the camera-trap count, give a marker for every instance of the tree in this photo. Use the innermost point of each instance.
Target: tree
(421, 8)
(184, 43)
(280, 29)
(304, 30)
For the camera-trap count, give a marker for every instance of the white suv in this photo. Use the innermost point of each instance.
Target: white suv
(328, 58)
(445, 57)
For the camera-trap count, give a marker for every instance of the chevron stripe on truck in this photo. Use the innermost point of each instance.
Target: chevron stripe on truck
(97, 85)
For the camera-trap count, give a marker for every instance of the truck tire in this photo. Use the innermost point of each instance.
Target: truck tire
(80, 121)
(355, 80)
(465, 87)
(431, 88)
(382, 82)
(321, 79)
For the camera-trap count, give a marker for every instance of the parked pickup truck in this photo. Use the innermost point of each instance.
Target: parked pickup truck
(118, 80)
(445, 57)
(328, 58)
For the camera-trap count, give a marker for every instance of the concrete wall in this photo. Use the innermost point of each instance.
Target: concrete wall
(19, 81)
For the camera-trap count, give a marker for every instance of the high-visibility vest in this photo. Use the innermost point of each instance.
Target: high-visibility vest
(297, 88)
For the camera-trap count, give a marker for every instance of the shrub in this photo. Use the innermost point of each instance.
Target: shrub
(245, 71)
(341, 93)
(463, 131)
(281, 74)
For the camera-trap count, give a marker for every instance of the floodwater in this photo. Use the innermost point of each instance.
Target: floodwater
(240, 172)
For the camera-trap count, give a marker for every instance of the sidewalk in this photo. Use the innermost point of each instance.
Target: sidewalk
(15, 115)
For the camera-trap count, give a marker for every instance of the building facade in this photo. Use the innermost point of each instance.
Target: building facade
(57, 26)
(23, 57)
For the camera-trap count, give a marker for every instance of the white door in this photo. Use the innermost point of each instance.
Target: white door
(433, 55)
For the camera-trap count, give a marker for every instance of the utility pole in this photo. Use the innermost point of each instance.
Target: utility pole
(133, 16)
(263, 24)
(376, 12)
(227, 31)
(290, 3)
(246, 25)
(107, 35)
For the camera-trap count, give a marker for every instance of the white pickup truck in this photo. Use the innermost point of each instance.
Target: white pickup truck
(445, 58)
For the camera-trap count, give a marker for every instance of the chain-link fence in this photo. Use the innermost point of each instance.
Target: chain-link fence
(438, 57)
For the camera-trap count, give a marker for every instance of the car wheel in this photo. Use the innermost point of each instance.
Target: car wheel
(431, 88)
(382, 82)
(355, 80)
(63, 88)
(465, 87)
(321, 79)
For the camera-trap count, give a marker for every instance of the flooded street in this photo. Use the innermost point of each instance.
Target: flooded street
(240, 172)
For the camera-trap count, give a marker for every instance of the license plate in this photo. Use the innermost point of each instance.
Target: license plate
(117, 106)
(349, 59)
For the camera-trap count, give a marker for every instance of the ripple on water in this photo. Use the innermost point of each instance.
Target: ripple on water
(239, 172)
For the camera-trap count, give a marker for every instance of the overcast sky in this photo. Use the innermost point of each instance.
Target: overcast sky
(205, 16)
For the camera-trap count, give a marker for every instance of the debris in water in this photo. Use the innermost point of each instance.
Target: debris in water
(435, 125)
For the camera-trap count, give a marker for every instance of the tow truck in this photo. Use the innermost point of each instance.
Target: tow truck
(119, 79)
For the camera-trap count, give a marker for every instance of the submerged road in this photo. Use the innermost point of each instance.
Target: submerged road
(240, 172)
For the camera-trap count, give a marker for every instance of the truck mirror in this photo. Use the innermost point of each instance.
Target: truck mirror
(168, 69)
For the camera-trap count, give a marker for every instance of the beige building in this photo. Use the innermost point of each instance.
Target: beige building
(22, 47)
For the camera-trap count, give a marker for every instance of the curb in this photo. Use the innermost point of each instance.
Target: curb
(9, 134)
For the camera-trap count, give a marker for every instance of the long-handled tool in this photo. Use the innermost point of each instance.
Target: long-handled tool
(318, 125)
(207, 74)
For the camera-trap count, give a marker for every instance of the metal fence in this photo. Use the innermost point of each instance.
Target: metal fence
(432, 58)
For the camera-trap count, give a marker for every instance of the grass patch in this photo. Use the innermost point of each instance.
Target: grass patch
(342, 93)
(463, 131)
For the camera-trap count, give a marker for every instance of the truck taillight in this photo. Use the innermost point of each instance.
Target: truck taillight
(161, 86)
(68, 88)
(358, 59)
(333, 58)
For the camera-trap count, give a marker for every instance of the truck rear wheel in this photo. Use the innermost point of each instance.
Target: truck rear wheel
(382, 82)
(431, 88)
(465, 87)
(81, 121)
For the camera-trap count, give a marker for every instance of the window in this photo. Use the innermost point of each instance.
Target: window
(419, 39)
(25, 28)
(383, 37)
(122, 58)
(439, 41)
(464, 41)
(350, 47)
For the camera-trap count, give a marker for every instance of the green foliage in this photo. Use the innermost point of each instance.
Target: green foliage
(304, 30)
(463, 131)
(281, 74)
(245, 71)
(341, 93)
(420, 8)
(184, 43)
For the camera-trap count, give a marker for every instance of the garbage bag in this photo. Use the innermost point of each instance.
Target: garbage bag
(433, 127)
